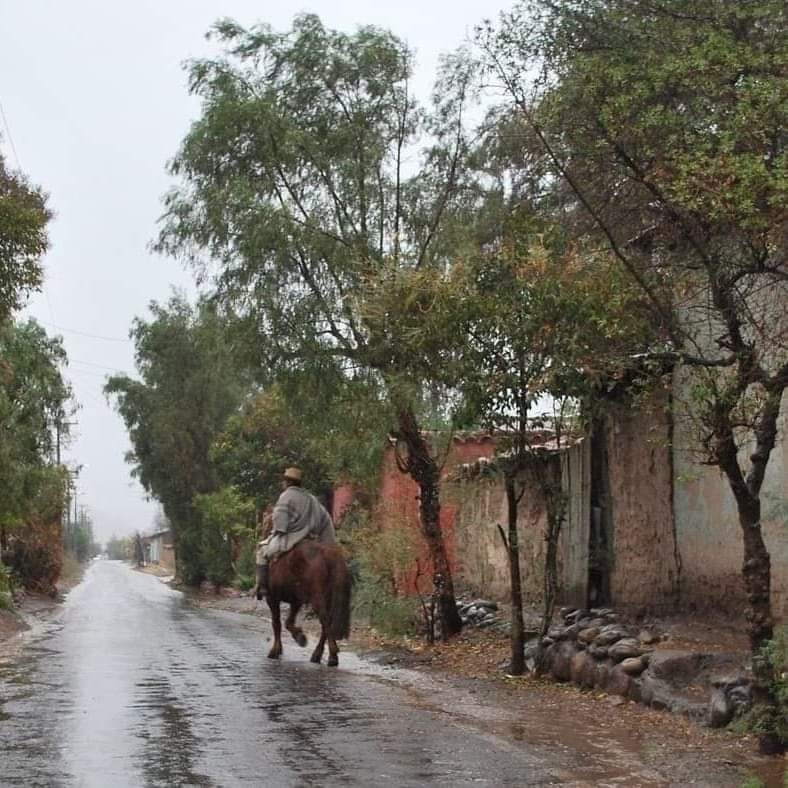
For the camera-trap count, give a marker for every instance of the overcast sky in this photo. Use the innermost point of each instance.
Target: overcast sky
(94, 96)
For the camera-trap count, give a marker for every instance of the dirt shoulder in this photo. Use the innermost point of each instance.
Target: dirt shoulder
(527, 709)
(31, 610)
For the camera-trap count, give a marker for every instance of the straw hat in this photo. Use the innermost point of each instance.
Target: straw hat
(294, 474)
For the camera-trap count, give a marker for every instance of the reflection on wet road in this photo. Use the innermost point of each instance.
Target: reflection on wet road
(131, 686)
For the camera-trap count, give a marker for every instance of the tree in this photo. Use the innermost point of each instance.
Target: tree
(23, 238)
(294, 186)
(33, 398)
(665, 125)
(189, 386)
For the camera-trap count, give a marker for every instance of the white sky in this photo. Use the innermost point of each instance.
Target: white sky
(94, 94)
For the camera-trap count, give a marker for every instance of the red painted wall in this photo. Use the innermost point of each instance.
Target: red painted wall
(398, 505)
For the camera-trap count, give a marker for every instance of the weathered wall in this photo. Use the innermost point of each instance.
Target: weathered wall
(644, 565)
(482, 563)
(707, 526)
(398, 505)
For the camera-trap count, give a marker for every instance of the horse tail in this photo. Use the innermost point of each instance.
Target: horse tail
(342, 586)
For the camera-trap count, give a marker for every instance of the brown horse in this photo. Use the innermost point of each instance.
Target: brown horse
(316, 575)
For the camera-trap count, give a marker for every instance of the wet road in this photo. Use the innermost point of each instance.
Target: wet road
(132, 686)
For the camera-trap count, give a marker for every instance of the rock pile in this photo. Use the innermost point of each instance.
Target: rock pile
(593, 649)
(478, 612)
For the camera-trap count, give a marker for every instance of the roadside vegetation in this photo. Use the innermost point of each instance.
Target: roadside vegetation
(593, 199)
(35, 400)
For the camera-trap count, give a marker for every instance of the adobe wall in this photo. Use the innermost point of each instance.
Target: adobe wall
(644, 565)
(482, 562)
(707, 524)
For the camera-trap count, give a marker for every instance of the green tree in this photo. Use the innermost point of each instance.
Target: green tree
(189, 386)
(294, 185)
(665, 126)
(33, 398)
(23, 238)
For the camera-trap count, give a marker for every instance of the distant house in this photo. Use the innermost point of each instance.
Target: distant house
(159, 549)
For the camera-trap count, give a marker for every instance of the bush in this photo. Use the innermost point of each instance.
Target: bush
(245, 569)
(6, 587)
(379, 558)
(769, 720)
(36, 555)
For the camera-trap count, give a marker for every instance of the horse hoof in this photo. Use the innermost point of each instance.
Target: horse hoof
(273, 655)
(315, 658)
(333, 662)
(301, 639)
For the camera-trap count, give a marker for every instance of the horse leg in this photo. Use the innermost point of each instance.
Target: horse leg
(276, 622)
(317, 654)
(333, 653)
(290, 625)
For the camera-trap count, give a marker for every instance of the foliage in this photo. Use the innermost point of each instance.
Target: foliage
(664, 126)
(119, 548)
(245, 566)
(293, 183)
(771, 718)
(23, 239)
(226, 518)
(6, 587)
(189, 386)
(380, 558)
(78, 539)
(33, 400)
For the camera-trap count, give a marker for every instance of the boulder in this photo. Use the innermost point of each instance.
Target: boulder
(625, 649)
(561, 655)
(632, 665)
(582, 669)
(601, 674)
(487, 604)
(588, 635)
(597, 652)
(607, 638)
(618, 682)
(647, 637)
(720, 709)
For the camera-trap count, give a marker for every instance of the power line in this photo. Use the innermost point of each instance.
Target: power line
(10, 138)
(99, 366)
(84, 333)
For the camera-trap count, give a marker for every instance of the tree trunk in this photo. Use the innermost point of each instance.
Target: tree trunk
(517, 664)
(756, 572)
(422, 468)
(756, 569)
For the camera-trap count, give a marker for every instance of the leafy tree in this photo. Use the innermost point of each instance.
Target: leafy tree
(228, 520)
(23, 238)
(189, 386)
(33, 398)
(665, 124)
(294, 187)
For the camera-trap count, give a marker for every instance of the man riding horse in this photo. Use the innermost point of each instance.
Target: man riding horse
(297, 515)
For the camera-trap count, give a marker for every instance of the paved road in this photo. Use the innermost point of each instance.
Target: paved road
(132, 686)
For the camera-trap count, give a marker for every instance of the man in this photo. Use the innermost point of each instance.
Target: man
(297, 515)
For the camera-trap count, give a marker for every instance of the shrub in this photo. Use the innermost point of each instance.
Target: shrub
(6, 588)
(769, 719)
(245, 566)
(36, 555)
(379, 558)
